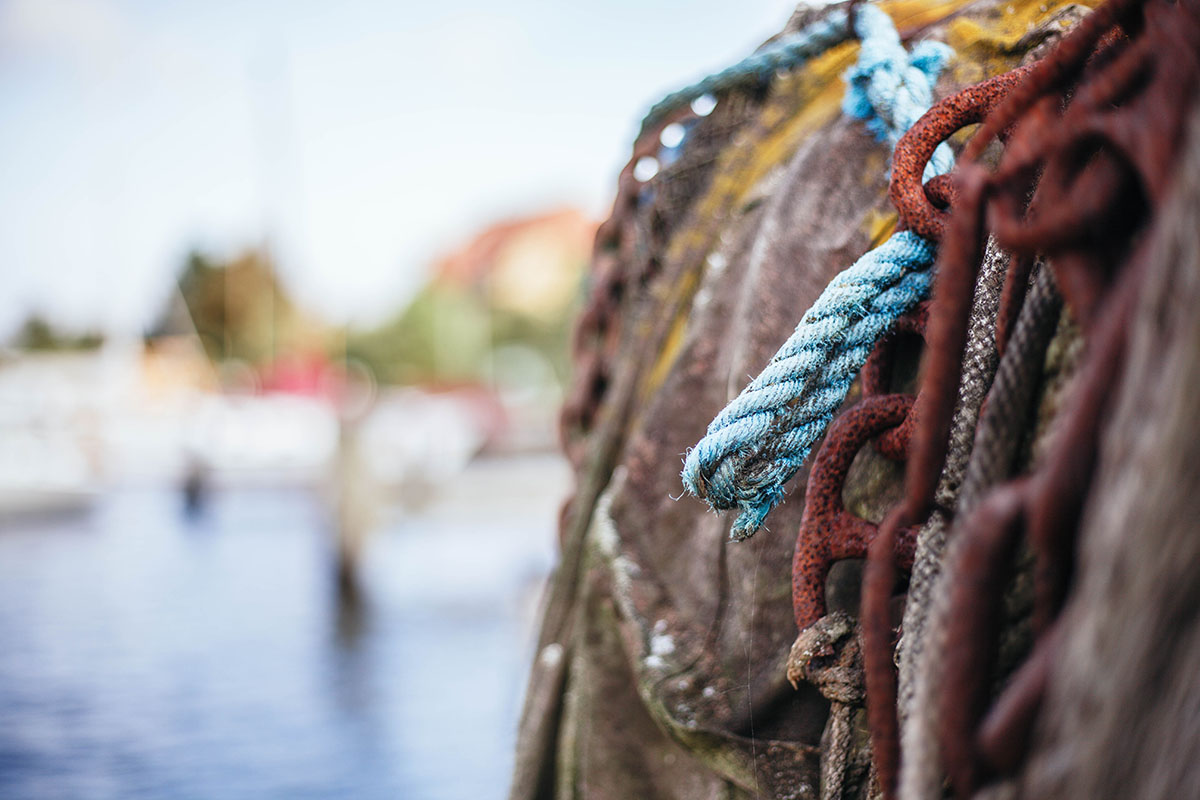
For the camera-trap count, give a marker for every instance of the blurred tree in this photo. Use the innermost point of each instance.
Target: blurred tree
(441, 337)
(241, 311)
(515, 283)
(37, 333)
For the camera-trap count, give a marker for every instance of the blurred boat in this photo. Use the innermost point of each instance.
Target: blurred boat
(43, 473)
(45, 501)
(70, 426)
(414, 440)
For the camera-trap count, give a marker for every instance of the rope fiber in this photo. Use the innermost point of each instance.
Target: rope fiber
(761, 439)
(787, 52)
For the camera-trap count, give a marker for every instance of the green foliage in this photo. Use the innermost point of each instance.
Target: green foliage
(546, 336)
(447, 335)
(38, 334)
(441, 337)
(239, 309)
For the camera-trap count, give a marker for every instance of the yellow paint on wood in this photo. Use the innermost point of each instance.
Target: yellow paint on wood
(879, 225)
(991, 44)
(806, 100)
(912, 14)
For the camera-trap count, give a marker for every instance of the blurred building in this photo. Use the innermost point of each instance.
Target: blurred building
(495, 315)
(528, 266)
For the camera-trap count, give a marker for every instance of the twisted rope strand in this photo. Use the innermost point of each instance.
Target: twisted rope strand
(761, 439)
(785, 53)
(890, 88)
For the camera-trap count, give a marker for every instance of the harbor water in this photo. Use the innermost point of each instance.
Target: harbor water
(147, 652)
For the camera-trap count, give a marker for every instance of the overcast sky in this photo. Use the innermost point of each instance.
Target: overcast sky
(359, 138)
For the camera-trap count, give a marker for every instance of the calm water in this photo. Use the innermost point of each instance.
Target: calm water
(143, 654)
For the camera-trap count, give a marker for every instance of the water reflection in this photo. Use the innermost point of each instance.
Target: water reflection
(148, 653)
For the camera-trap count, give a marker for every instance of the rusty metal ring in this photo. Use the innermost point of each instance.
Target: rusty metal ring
(915, 148)
(828, 531)
(876, 379)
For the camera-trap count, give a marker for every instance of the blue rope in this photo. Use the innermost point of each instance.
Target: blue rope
(760, 440)
(890, 88)
(787, 52)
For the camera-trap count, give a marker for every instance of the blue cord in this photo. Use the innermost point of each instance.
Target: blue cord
(787, 52)
(761, 439)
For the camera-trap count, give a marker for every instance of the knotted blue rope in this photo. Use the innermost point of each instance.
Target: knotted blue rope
(787, 52)
(759, 441)
(891, 88)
